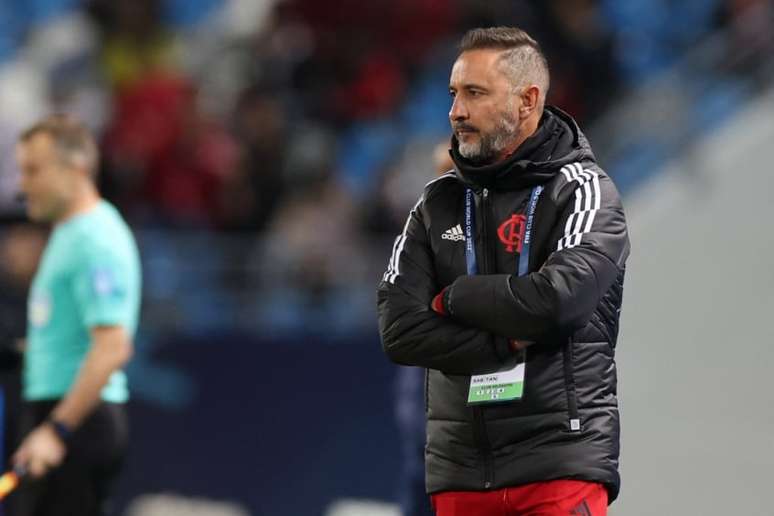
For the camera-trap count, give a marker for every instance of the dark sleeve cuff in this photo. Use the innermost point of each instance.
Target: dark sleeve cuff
(474, 299)
(440, 303)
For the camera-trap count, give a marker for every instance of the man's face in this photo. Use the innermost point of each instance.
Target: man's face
(47, 183)
(484, 107)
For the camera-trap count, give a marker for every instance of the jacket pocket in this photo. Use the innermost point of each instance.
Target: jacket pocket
(594, 374)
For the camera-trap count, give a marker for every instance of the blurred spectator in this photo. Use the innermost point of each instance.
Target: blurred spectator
(163, 152)
(751, 31)
(22, 97)
(580, 42)
(21, 246)
(402, 179)
(148, 118)
(186, 179)
(135, 41)
(251, 194)
(314, 235)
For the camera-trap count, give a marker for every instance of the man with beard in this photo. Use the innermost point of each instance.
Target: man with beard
(506, 284)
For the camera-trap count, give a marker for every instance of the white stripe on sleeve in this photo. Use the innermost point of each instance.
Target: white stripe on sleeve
(588, 200)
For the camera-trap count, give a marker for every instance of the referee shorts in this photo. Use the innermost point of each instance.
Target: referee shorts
(81, 485)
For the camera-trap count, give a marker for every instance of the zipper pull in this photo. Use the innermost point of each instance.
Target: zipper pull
(486, 193)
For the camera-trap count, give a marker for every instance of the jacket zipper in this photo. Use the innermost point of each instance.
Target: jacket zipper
(569, 385)
(478, 412)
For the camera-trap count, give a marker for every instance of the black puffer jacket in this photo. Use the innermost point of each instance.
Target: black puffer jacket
(567, 424)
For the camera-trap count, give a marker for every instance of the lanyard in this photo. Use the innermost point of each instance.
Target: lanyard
(470, 223)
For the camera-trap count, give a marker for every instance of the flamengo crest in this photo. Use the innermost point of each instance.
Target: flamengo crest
(511, 233)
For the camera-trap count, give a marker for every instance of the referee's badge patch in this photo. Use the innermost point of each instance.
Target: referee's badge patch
(39, 308)
(104, 282)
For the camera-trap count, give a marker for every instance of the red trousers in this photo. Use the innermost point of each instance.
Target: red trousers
(553, 498)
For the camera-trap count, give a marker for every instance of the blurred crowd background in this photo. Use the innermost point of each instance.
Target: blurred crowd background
(266, 152)
(298, 133)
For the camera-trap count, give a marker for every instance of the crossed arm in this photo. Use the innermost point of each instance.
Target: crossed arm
(489, 315)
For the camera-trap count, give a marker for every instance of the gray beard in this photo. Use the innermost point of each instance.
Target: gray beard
(491, 145)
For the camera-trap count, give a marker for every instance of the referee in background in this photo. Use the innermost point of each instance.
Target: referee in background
(82, 316)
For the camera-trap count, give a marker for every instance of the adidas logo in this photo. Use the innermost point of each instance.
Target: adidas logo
(454, 234)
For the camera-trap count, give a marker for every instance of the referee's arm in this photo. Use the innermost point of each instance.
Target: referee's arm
(44, 448)
(111, 349)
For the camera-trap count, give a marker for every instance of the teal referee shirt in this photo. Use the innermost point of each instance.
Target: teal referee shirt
(89, 276)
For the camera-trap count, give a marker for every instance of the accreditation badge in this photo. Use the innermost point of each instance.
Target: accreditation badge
(507, 384)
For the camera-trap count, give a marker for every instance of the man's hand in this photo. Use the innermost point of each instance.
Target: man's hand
(438, 304)
(41, 451)
(518, 345)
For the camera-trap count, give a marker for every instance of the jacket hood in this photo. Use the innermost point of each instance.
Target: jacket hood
(557, 142)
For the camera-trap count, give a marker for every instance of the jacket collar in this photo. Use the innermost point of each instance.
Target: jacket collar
(557, 142)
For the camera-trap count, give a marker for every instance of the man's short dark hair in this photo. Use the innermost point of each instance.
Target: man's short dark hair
(522, 60)
(73, 140)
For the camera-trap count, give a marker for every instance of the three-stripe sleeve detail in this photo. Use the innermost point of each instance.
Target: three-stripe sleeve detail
(586, 204)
